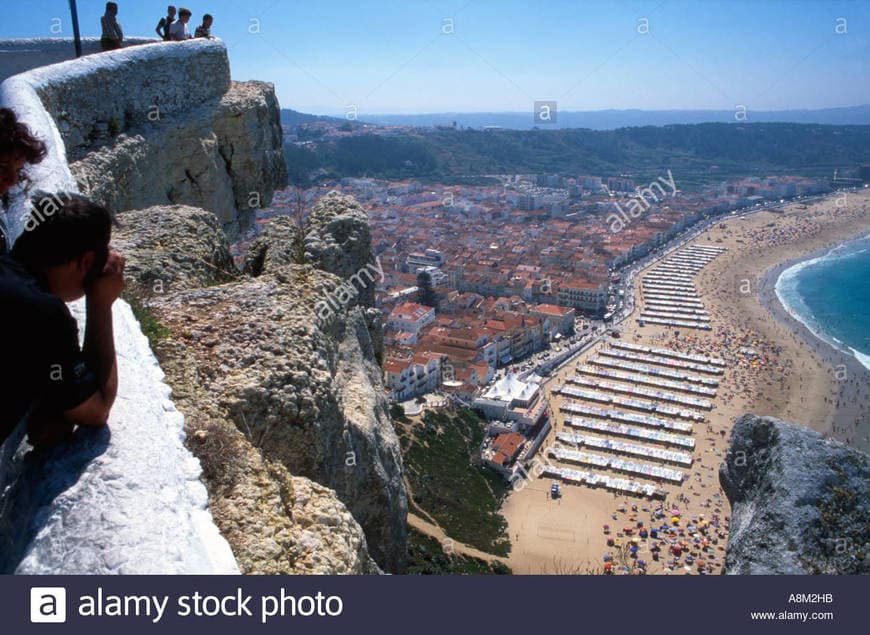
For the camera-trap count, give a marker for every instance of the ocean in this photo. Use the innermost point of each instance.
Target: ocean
(830, 294)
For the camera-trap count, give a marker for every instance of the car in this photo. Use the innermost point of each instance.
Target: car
(555, 490)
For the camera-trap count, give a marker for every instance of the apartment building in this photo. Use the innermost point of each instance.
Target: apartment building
(561, 318)
(410, 317)
(407, 378)
(582, 294)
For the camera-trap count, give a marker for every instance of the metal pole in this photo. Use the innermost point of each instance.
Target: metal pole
(77, 36)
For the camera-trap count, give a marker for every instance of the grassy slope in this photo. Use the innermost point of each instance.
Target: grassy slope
(426, 557)
(461, 497)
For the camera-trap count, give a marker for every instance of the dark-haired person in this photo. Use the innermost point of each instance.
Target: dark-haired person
(164, 24)
(112, 37)
(204, 29)
(18, 147)
(52, 383)
(179, 31)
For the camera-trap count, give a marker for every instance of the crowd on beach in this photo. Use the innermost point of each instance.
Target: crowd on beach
(678, 540)
(760, 365)
(772, 368)
(173, 27)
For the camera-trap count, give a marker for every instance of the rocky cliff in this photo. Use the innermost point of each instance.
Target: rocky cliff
(283, 405)
(799, 501)
(121, 116)
(300, 385)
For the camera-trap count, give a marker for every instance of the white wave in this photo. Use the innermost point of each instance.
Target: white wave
(794, 304)
(861, 357)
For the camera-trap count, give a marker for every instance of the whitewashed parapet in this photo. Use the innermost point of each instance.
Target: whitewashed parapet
(99, 96)
(20, 55)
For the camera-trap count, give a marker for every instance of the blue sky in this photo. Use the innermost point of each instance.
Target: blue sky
(502, 55)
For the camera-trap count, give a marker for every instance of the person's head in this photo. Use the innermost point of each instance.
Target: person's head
(111, 8)
(184, 15)
(207, 20)
(65, 241)
(170, 11)
(18, 147)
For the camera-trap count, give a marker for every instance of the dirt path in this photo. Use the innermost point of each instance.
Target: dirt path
(449, 545)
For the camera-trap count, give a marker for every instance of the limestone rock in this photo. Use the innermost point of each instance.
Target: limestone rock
(226, 158)
(172, 248)
(799, 501)
(274, 247)
(338, 240)
(306, 391)
(276, 524)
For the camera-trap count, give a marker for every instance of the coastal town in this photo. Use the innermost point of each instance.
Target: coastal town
(514, 270)
(568, 313)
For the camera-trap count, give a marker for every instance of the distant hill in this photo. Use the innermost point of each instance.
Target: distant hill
(695, 153)
(295, 118)
(613, 119)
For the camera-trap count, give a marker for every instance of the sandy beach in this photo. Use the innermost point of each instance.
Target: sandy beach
(774, 366)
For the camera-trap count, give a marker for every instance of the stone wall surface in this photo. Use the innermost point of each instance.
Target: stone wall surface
(114, 118)
(227, 158)
(21, 55)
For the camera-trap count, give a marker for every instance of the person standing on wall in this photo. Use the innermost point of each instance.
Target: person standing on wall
(204, 29)
(179, 30)
(18, 147)
(113, 36)
(164, 24)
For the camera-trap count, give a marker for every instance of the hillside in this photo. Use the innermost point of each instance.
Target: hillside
(621, 118)
(696, 154)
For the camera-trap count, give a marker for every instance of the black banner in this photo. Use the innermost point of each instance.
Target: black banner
(422, 605)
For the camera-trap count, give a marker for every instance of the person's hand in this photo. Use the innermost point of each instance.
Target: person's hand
(107, 287)
(45, 432)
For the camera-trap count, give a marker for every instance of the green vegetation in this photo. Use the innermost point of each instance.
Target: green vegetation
(696, 154)
(153, 330)
(426, 557)
(397, 413)
(462, 498)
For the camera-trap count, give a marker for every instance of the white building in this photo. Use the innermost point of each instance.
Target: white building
(410, 317)
(512, 399)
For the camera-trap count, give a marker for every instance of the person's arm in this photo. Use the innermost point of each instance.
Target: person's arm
(159, 26)
(99, 348)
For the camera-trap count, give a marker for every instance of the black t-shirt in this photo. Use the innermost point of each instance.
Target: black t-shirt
(39, 349)
(164, 25)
